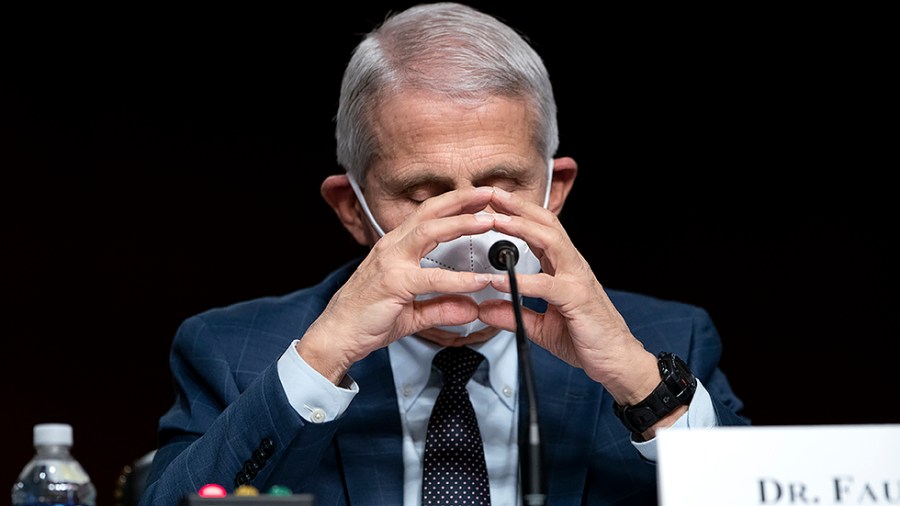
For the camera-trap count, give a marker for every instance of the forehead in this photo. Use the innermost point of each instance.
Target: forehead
(421, 132)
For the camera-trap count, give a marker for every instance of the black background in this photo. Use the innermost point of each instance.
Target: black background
(158, 161)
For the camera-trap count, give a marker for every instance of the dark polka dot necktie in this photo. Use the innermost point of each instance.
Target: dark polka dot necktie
(454, 468)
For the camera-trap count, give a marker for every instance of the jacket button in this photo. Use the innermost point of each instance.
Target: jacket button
(251, 468)
(266, 448)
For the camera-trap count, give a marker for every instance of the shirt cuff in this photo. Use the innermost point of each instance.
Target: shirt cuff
(314, 397)
(700, 415)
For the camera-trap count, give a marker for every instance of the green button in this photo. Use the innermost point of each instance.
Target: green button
(280, 490)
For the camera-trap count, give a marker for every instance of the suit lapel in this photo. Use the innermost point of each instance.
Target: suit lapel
(370, 437)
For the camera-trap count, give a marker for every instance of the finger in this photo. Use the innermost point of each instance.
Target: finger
(426, 281)
(449, 309)
(546, 329)
(505, 202)
(560, 291)
(500, 282)
(425, 236)
(462, 201)
(550, 244)
(499, 313)
(537, 226)
(440, 219)
(409, 244)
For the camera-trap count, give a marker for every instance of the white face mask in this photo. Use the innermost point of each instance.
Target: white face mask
(469, 253)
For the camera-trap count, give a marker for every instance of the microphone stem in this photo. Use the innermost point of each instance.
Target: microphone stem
(531, 456)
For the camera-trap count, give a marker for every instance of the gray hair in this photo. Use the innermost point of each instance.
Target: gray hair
(444, 48)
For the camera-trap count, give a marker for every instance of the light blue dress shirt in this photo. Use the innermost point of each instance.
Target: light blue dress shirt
(494, 394)
(318, 400)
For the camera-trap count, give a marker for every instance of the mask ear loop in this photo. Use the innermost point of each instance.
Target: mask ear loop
(549, 181)
(365, 206)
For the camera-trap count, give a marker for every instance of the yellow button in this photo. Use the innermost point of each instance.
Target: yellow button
(246, 490)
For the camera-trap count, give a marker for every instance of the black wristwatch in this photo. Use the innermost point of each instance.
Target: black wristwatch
(676, 388)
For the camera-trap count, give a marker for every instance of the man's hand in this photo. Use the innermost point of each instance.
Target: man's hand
(581, 326)
(378, 305)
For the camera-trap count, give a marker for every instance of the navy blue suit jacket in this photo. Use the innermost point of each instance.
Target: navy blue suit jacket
(230, 404)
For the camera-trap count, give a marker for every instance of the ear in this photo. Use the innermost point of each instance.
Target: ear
(336, 190)
(564, 171)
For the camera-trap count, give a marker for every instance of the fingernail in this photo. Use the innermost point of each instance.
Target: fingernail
(482, 278)
(503, 193)
(485, 217)
(502, 217)
(484, 189)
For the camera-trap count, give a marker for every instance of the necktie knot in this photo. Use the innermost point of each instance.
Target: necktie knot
(457, 364)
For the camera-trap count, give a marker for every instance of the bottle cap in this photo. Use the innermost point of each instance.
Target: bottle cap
(53, 434)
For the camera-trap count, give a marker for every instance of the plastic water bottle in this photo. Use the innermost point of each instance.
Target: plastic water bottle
(53, 477)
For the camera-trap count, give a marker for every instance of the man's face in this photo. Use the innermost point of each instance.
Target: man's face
(432, 146)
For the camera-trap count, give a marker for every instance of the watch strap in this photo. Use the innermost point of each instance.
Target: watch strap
(676, 388)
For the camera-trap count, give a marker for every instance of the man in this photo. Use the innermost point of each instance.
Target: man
(447, 131)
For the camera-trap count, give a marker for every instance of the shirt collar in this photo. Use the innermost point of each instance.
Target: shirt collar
(499, 352)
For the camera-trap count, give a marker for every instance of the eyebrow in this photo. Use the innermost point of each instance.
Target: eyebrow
(418, 178)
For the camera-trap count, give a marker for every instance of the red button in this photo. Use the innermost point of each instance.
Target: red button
(212, 490)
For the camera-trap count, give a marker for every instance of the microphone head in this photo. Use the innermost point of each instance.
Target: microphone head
(499, 251)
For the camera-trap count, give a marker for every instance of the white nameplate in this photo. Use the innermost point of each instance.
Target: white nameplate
(817, 465)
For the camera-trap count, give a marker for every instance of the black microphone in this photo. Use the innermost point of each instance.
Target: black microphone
(504, 255)
(498, 253)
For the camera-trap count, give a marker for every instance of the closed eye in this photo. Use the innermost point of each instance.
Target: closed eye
(423, 192)
(509, 184)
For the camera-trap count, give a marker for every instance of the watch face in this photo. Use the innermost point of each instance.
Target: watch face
(666, 368)
(680, 367)
(668, 362)
(676, 373)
